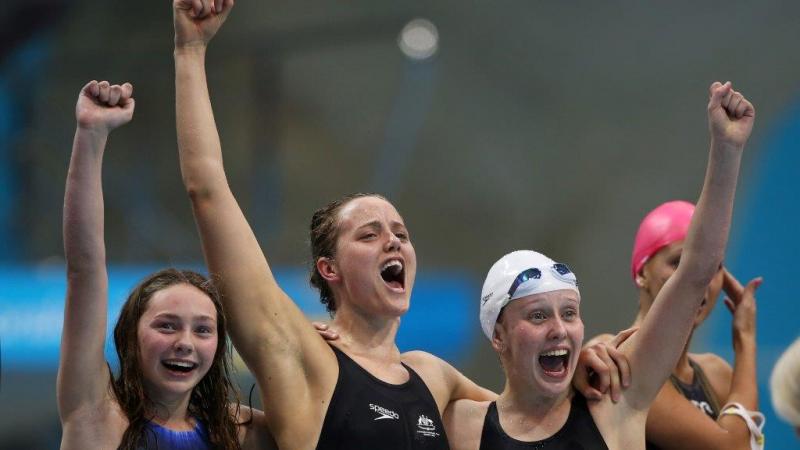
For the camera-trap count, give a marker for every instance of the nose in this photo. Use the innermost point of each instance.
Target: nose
(393, 243)
(184, 344)
(557, 331)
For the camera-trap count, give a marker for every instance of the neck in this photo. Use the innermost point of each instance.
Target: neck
(365, 334)
(172, 412)
(520, 397)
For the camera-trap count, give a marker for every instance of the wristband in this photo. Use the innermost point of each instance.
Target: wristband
(754, 420)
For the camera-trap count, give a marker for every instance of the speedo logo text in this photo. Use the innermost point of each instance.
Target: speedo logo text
(384, 413)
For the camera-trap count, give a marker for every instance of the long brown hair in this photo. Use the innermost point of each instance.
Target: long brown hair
(323, 236)
(209, 399)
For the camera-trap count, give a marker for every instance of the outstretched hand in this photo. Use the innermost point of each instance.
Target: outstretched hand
(741, 302)
(730, 115)
(197, 21)
(104, 107)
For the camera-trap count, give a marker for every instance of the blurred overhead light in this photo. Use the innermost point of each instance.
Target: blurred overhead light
(419, 39)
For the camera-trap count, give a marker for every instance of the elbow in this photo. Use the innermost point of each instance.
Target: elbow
(197, 192)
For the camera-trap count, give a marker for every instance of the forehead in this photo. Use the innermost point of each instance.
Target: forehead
(364, 210)
(182, 300)
(675, 248)
(559, 298)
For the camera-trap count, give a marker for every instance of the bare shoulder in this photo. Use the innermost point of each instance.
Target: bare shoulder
(718, 372)
(463, 422)
(713, 365)
(422, 359)
(435, 371)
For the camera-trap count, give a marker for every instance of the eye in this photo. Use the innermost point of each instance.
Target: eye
(570, 314)
(402, 236)
(368, 236)
(537, 316)
(204, 329)
(167, 326)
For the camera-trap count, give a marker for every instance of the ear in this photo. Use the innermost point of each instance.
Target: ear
(327, 269)
(641, 279)
(498, 338)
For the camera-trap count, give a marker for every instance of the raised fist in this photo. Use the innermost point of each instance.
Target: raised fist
(730, 115)
(104, 107)
(197, 21)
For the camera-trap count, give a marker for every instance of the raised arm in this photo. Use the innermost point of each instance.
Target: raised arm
(271, 334)
(83, 376)
(655, 349)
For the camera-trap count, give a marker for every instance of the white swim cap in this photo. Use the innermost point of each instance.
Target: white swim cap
(520, 274)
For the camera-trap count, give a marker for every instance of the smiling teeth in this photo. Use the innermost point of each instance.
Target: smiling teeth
(391, 263)
(181, 364)
(555, 353)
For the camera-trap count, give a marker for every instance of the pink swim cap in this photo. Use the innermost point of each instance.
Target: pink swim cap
(662, 226)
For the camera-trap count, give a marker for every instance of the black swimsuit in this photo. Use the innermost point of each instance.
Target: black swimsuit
(367, 413)
(578, 433)
(699, 393)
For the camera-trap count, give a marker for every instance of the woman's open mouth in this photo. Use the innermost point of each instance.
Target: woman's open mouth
(179, 367)
(554, 363)
(393, 274)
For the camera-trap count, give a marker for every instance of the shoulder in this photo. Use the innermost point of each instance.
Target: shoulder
(713, 365)
(718, 372)
(422, 358)
(431, 368)
(463, 420)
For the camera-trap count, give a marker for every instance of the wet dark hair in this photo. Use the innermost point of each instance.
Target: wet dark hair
(209, 399)
(323, 236)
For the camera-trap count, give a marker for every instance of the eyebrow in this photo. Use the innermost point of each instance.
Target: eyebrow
(375, 225)
(199, 317)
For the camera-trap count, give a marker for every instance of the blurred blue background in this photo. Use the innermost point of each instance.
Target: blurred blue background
(492, 126)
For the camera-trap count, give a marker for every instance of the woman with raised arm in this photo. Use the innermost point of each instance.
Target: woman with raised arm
(530, 311)
(698, 406)
(174, 386)
(359, 391)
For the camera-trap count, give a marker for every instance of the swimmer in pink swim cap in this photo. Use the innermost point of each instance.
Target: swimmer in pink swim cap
(693, 410)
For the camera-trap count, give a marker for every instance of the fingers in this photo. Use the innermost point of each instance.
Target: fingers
(324, 330)
(126, 94)
(114, 94)
(731, 306)
(581, 383)
(717, 92)
(593, 360)
(622, 365)
(731, 285)
(615, 385)
(622, 336)
(109, 95)
(104, 91)
(91, 89)
(752, 285)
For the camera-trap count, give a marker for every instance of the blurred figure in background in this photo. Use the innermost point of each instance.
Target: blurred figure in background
(785, 385)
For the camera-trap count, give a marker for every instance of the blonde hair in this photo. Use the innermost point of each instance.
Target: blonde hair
(785, 384)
